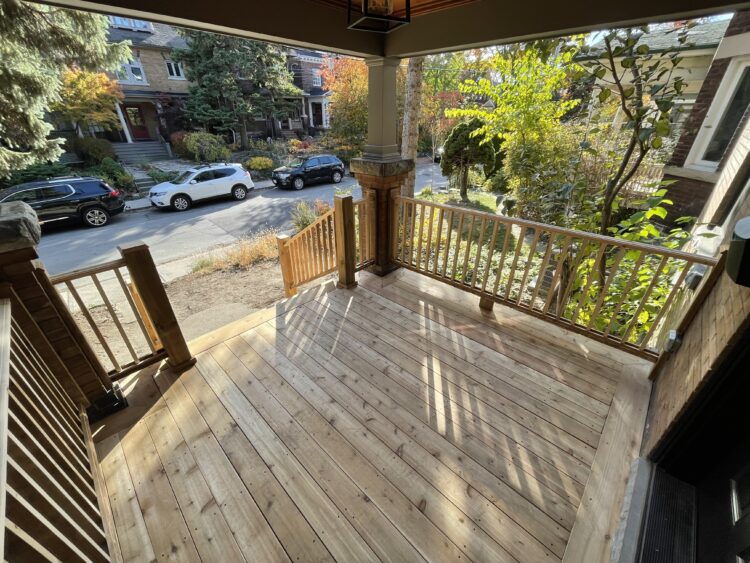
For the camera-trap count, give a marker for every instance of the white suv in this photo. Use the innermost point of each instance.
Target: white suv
(202, 182)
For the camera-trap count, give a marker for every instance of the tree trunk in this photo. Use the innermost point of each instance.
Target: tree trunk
(243, 134)
(410, 131)
(464, 183)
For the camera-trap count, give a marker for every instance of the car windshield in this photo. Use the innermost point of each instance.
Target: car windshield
(297, 164)
(182, 178)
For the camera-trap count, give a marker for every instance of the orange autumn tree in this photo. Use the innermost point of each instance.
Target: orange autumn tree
(88, 98)
(346, 79)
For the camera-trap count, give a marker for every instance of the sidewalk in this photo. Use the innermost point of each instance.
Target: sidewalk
(144, 203)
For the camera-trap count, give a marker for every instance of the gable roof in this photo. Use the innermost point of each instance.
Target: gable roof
(162, 36)
(704, 35)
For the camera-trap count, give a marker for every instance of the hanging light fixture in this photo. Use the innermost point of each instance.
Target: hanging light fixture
(376, 16)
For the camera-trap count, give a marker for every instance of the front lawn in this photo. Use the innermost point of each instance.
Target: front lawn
(478, 200)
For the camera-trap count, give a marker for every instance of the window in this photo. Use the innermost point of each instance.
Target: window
(316, 79)
(204, 177)
(55, 192)
(312, 162)
(175, 71)
(130, 23)
(28, 196)
(132, 72)
(731, 119)
(224, 172)
(92, 188)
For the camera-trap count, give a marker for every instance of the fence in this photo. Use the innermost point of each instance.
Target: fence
(613, 290)
(314, 251)
(48, 493)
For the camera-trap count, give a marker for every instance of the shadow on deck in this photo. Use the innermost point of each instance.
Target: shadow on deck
(393, 422)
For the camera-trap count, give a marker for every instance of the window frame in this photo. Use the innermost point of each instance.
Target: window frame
(317, 78)
(136, 62)
(715, 114)
(171, 66)
(42, 199)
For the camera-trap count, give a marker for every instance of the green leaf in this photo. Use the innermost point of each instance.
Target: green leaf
(604, 95)
(656, 143)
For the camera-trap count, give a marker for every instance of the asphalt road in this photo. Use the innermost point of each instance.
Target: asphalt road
(172, 235)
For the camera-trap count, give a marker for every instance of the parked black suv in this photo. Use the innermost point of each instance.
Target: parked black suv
(89, 199)
(320, 168)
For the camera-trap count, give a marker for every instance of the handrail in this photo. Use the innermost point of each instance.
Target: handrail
(613, 290)
(312, 252)
(48, 504)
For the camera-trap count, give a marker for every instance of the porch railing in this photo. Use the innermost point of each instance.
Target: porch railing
(313, 252)
(49, 507)
(610, 289)
(117, 305)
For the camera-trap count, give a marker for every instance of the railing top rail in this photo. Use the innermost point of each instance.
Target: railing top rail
(88, 271)
(649, 248)
(312, 225)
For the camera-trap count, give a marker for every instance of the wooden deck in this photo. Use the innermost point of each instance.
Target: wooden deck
(391, 422)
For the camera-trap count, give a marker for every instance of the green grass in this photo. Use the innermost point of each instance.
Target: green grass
(478, 200)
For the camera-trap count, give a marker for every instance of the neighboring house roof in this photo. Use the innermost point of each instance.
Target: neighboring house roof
(704, 35)
(163, 36)
(307, 53)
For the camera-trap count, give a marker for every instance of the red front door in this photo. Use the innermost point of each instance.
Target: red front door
(134, 116)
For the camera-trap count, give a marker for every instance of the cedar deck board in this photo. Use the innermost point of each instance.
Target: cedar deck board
(433, 432)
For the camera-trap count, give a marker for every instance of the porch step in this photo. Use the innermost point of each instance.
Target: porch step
(145, 151)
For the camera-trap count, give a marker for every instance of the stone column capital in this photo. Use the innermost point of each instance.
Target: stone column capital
(19, 227)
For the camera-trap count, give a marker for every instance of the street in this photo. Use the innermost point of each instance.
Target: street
(171, 235)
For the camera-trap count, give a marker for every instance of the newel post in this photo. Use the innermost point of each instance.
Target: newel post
(343, 220)
(146, 279)
(285, 260)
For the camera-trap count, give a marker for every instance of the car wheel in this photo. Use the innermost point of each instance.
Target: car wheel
(337, 177)
(298, 183)
(95, 217)
(239, 192)
(181, 203)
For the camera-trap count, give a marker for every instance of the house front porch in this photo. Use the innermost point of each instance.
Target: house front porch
(392, 421)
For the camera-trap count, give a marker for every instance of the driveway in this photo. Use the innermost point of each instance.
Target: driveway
(207, 225)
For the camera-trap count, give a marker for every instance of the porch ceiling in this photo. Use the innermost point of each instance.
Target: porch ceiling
(437, 25)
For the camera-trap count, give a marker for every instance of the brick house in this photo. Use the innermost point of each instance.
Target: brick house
(307, 66)
(154, 85)
(709, 164)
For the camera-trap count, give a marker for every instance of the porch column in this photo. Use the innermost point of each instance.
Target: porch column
(381, 170)
(123, 123)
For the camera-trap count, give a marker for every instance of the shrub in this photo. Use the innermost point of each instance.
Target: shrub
(113, 173)
(177, 139)
(300, 146)
(259, 163)
(242, 255)
(91, 150)
(160, 176)
(304, 214)
(205, 147)
(34, 172)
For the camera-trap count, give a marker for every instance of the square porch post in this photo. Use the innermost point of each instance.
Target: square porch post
(381, 170)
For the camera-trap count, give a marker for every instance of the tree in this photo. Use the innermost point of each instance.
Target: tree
(346, 79)
(233, 79)
(646, 86)
(39, 44)
(433, 120)
(88, 98)
(410, 128)
(465, 148)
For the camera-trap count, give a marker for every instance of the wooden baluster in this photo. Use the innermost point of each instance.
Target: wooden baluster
(625, 292)
(418, 258)
(113, 315)
(501, 264)
(459, 237)
(397, 205)
(345, 252)
(644, 299)
(490, 254)
(603, 291)
(564, 249)
(145, 277)
(449, 235)
(285, 260)
(563, 297)
(438, 239)
(480, 241)
(511, 277)
(529, 261)
(467, 252)
(141, 315)
(94, 327)
(593, 274)
(542, 269)
(331, 247)
(428, 243)
(665, 307)
(412, 232)
(404, 228)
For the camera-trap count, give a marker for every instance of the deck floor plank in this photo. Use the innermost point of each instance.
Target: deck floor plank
(390, 422)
